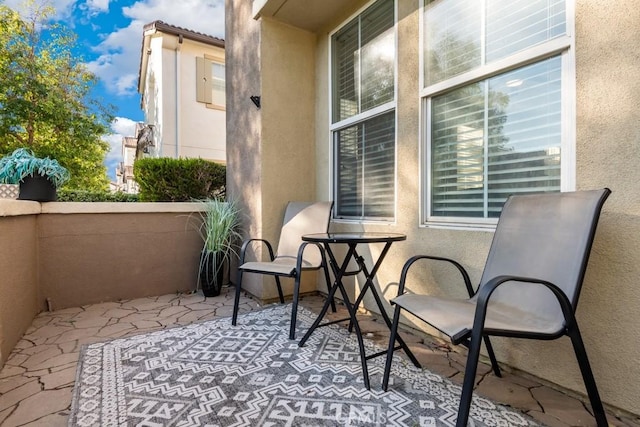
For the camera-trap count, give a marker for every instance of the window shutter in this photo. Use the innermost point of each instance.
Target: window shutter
(203, 80)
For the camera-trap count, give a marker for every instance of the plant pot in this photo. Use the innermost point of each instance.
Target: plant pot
(211, 273)
(37, 188)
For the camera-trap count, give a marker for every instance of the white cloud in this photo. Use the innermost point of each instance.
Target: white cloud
(205, 16)
(119, 60)
(98, 5)
(120, 128)
(63, 7)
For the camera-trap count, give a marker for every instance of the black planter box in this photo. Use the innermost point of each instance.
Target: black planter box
(37, 188)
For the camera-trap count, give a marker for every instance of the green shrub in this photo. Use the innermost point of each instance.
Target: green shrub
(179, 180)
(65, 195)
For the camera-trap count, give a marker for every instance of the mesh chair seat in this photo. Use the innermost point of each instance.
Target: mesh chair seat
(454, 317)
(284, 266)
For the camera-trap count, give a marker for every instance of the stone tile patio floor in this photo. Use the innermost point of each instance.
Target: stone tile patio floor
(36, 382)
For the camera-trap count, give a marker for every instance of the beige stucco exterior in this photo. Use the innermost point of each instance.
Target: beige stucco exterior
(282, 152)
(62, 255)
(19, 278)
(183, 127)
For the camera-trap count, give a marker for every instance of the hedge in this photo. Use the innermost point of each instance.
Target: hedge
(178, 180)
(94, 196)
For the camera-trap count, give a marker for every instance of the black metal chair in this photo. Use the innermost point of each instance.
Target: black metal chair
(529, 287)
(293, 255)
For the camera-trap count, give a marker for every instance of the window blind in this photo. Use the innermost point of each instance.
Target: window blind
(494, 138)
(363, 62)
(365, 181)
(457, 42)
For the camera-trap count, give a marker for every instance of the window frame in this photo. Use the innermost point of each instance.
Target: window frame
(563, 46)
(335, 128)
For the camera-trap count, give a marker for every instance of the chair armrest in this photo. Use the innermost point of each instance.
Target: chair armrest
(301, 249)
(412, 260)
(485, 292)
(245, 246)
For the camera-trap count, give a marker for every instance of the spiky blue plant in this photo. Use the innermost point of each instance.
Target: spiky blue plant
(22, 163)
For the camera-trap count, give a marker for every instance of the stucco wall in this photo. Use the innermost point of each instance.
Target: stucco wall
(608, 93)
(244, 167)
(270, 161)
(60, 255)
(91, 257)
(18, 272)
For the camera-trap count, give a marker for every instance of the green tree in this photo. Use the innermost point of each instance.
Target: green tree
(45, 96)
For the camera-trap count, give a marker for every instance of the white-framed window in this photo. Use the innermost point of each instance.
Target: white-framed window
(363, 119)
(498, 96)
(210, 82)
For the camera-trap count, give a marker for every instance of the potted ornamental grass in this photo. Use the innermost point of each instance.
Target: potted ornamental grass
(39, 178)
(219, 228)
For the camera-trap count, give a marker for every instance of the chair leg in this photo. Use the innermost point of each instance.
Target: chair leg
(236, 300)
(294, 307)
(391, 348)
(587, 375)
(470, 376)
(279, 286)
(492, 357)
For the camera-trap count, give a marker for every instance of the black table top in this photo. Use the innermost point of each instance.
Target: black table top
(354, 237)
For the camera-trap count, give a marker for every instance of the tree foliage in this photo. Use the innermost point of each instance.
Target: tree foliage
(45, 96)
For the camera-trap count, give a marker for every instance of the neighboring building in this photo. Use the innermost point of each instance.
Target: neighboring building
(420, 117)
(124, 171)
(182, 83)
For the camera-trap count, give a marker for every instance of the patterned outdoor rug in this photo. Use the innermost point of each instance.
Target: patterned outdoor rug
(213, 374)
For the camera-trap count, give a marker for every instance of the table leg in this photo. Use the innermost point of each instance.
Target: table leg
(338, 278)
(370, 285)
(350, 308)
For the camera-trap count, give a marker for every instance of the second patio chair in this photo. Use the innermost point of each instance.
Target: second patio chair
(529, 287)
(293, 255)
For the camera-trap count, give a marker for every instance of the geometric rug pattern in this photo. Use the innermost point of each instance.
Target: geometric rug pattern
(216, 375)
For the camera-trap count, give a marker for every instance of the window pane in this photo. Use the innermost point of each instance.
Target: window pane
(366, 169)
(452, 31)
(455, 38)
(349, 173)
(363, 62)
(457, 152)
(218, 84)
(494, 138)
(378, 55)
(524, 132)
(514, 25)
(345, 46)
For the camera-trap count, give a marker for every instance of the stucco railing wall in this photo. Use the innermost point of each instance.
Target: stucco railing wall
(60, 255)
(18, 271)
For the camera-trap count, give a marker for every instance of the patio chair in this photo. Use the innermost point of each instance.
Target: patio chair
(529, 287)
(293, 255)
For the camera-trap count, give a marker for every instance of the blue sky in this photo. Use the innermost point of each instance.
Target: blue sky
(109, 38)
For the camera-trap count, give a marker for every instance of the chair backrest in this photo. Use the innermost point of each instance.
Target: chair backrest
(302, 218)
(546, 236)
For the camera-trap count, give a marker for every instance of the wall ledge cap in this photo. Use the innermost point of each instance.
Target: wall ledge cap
(118, 207)
(13, 207)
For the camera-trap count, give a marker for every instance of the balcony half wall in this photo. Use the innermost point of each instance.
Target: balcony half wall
(59, 255)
